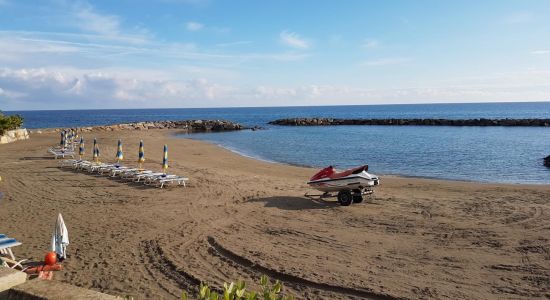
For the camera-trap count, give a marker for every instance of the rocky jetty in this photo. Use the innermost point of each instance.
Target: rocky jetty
(186, 125)
(547, 161)
(411, 122)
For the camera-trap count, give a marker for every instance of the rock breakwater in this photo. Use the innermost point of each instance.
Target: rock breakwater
(186, 125)
(411, 122)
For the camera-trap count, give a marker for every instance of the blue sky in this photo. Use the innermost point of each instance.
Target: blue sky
(207, 53)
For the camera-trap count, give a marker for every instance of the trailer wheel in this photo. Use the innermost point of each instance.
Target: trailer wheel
(345, 198)
(357, 198)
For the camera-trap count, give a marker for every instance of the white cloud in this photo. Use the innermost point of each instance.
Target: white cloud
(540, 52)
(92, 21)
(49, 88)
(294, 40)
(385, 61)
(370, 44)
(194, 26)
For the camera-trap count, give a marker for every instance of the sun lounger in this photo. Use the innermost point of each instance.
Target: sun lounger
(121, 171)
(71, 163)
(83, 164)
(62, 153)
(133, 174)
(94, 167)
(10, 263)
(146, 177)
(161, 181)
(108, 168)
(6, 244)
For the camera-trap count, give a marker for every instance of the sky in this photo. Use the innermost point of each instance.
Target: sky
(206, 53)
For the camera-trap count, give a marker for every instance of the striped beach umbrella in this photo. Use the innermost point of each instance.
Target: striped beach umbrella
(61, 142)
(119, 154)
(165, 159)
(65, 141)
(141, 154)
(95, 151)
(81, 147)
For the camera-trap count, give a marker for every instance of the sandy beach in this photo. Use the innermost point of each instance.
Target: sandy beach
(240, 218)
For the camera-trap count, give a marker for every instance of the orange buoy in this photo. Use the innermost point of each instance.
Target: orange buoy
(50, 259)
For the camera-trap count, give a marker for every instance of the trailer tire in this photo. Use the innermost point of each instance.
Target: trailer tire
(357, 198)
(345, 198)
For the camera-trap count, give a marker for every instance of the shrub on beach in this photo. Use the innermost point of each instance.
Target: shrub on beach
(9, 122)
(237, 291)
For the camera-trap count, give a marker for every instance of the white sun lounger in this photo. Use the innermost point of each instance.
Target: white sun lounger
(95, 167)
(122, 171)
(71, 163)
(109, 167)
(133, 174)
(146, 177)
(6, 244)
(63, 154)
(83, 164)
(161, 181)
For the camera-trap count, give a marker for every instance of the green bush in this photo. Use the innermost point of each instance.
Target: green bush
(237, 291)
(9, 122)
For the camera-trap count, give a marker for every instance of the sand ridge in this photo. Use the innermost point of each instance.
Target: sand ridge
(239, 218)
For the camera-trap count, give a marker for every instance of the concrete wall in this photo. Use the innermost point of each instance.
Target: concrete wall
(14, 286)
(14, 135)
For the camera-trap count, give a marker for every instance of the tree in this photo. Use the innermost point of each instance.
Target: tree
(9, 122)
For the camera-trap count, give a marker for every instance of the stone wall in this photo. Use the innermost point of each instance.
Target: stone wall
(14, 135)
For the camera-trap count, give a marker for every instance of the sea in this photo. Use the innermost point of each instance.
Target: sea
(480, 154)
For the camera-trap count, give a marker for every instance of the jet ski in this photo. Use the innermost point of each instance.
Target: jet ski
(350, 185)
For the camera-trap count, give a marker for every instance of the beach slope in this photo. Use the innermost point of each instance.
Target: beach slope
(240, 218)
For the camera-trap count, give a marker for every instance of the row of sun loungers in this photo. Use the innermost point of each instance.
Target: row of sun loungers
(127, 173)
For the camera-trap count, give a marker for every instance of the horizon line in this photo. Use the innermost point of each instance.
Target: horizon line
(288, 106)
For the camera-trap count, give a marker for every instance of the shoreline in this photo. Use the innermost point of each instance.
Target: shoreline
(257, 158)
(240, 218)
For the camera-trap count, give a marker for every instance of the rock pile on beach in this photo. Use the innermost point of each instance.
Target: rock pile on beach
(547, 161)
(188, 125)
(411, 122)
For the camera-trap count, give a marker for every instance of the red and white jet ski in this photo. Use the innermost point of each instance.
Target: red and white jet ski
(350, 184)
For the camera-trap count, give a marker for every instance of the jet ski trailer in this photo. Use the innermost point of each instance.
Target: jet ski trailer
(348, 186)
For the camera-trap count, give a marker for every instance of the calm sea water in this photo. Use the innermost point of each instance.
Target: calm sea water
(487, 154)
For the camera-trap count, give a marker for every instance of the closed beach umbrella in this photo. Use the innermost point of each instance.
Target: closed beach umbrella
(119, 154)
(62, 141)
(81, 147)
(65, 136)
(60, 238)
(141, 154)
(95, 151)
(165, 159)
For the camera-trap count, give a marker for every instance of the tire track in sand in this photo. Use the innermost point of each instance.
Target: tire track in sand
(288, 278)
